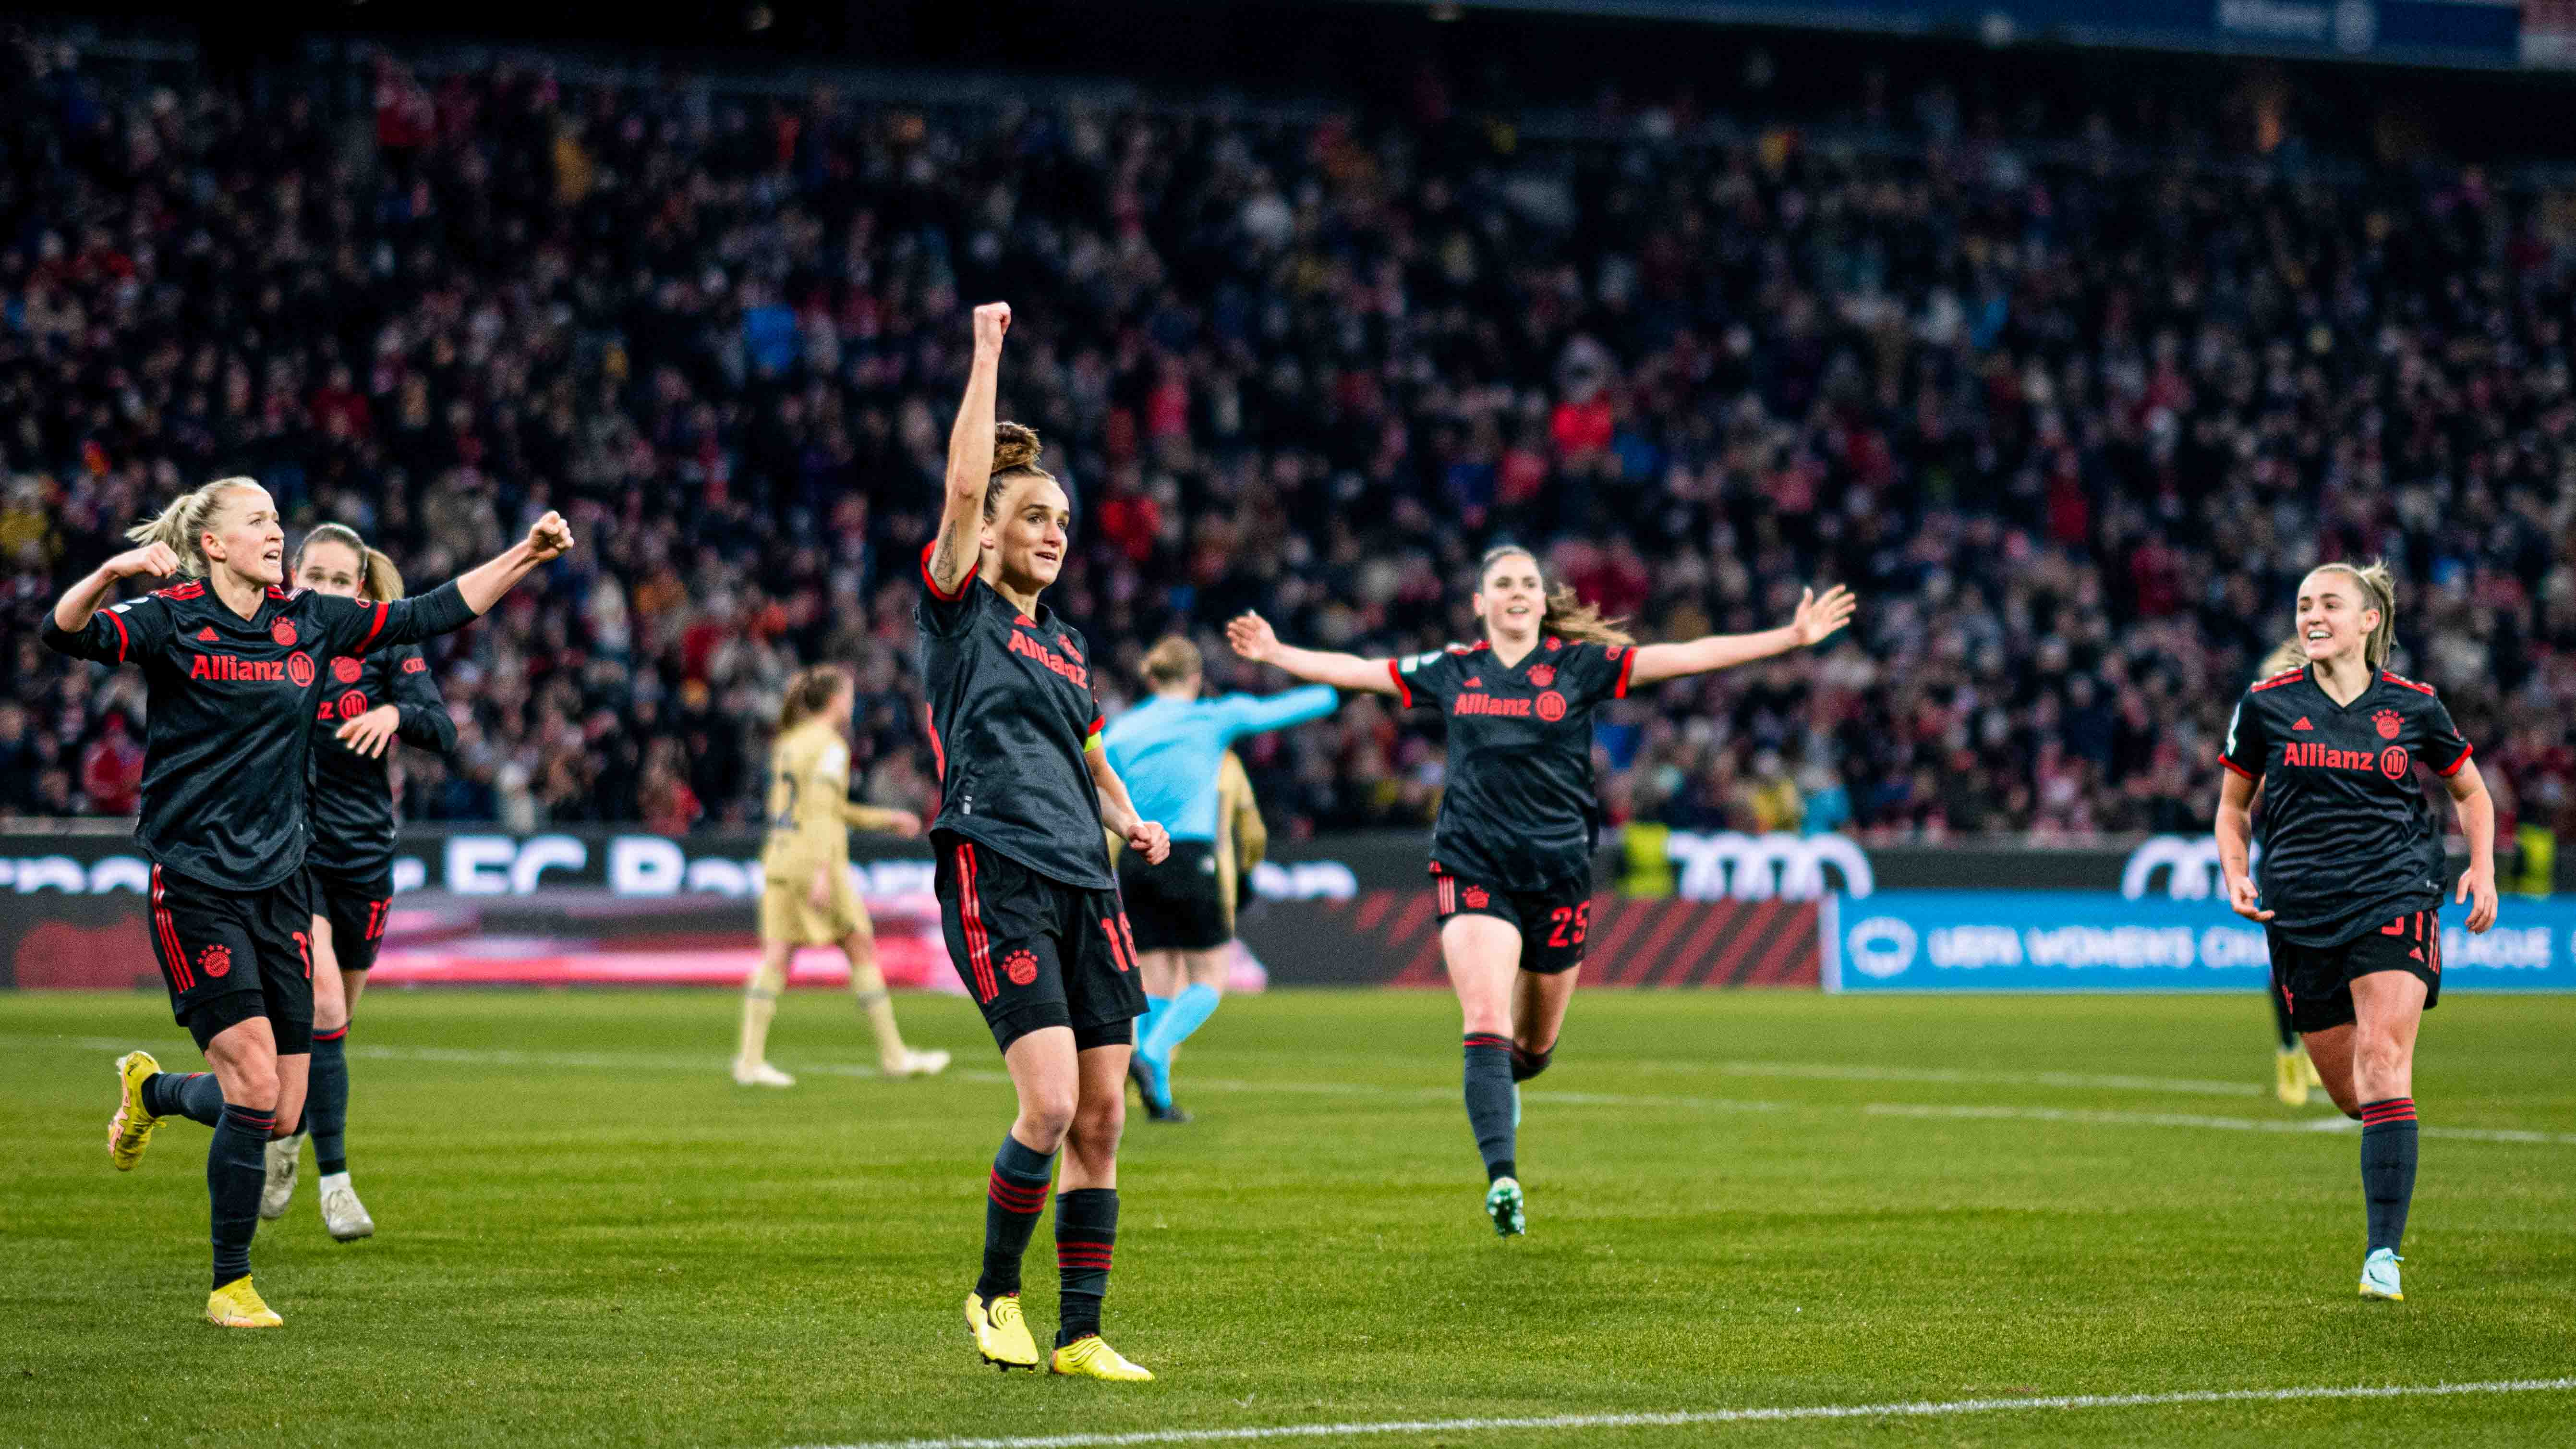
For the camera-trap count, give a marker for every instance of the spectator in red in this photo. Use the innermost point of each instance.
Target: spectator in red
(112, 769)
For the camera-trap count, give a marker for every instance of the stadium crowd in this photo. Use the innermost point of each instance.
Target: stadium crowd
(2072, 423)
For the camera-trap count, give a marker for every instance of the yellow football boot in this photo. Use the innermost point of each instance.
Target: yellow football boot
(1090, 1357)
(238, 1305)
(130, 1130)
(1000, 1334)
(2290, 1073)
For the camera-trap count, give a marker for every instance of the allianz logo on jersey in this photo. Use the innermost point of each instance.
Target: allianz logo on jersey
(1732, 865)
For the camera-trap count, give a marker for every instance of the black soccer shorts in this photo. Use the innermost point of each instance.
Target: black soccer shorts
(2316, 981)
(228, 956)
(1035, 952)
(1552, 922)
(1178, 905)
(356, 904)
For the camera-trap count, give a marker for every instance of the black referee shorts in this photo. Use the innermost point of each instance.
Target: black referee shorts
(2316, 981)
(228, 956)
(1177, 906)
(1035, 952)
(1552, 922)
(355, 903)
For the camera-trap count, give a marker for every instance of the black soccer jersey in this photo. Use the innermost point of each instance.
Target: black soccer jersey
(228, 737)
(2347, 839)
(353, 794)
(1011, 713)
(1519, 809)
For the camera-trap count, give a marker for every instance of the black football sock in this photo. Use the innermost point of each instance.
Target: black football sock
(2387, 1168)
(1489, 1100)
(1012, 1201)
(236, 1169)
(1528, 1064)
(1086, 1230)
(326, 1111)
(2281, 1020)
(196, 1096)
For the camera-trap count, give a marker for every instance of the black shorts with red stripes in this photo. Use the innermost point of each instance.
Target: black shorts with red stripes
(1035, 952)
(355, 903)
(1552, 922)
(2316, 981)
(229, 956)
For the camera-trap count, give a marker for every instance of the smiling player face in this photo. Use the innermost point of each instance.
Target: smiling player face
(2335, 619)
(1028, 534)
(245, 537)
(1511, 598)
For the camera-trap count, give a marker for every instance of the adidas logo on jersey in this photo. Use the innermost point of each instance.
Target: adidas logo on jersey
(2303, 724)
(207, 634)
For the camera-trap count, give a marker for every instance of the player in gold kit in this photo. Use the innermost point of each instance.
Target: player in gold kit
(805, 899)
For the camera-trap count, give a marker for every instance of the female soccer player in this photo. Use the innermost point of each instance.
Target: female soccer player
(2292, 1073)
(1026, 898)
(367, 701)
(1171, 750)
(233, 689)
(2351, 887)
(805, 896)
(1511, 853)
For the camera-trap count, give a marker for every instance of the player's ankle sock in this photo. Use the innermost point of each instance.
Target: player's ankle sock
(2387, 1168)
(1528, 1064)
(1012, 1201)
(236, 1169)
(326, 1107)
(1489, 1100)
(1180, 1016)
(196, 1096)
(759, 1004)
(1086, 1231)
(867, 986)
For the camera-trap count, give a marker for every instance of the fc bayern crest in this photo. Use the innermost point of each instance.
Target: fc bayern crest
(299, 667)
(2388, 723)
(215, 960)
(1542, 675)
(346, 669)
(1551, 706)
(1476, 898)
(1021, 967)
(283, 631)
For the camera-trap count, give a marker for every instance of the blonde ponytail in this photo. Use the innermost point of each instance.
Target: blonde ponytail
(2379, 591)
(383, 581)
(2287, 655)
(183, 525)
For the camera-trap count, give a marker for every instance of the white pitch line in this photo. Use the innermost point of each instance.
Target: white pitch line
(1844, 1072)
(2223, 1124)
(1680, 1418)
(641, 1061)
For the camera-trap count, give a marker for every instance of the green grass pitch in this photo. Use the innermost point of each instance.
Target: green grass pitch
(588, 1235)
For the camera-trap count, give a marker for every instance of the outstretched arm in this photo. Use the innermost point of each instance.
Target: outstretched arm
(1252, 637)
(1118, 813)
(970, 458)
(901, 823)
(461, 600)
(1817, 618)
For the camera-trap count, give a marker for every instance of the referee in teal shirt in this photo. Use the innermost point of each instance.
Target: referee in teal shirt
(1170, 750)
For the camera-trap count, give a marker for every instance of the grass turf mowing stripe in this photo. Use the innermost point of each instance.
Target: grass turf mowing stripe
(1965, 1111)
(1685, 1417)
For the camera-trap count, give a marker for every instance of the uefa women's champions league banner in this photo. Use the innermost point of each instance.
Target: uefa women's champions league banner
(2104, 941)
(1673, 909)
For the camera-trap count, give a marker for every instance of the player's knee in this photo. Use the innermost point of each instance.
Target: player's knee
(1098, 1126)
(1045, 1117)
(252, 1089)
(1527, 1064)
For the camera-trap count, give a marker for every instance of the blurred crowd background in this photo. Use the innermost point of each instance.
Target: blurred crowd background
(2072, 390)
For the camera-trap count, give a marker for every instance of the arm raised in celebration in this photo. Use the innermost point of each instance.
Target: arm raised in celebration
(1818, 617)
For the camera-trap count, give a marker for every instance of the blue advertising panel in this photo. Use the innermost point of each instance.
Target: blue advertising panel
(1897, 940)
